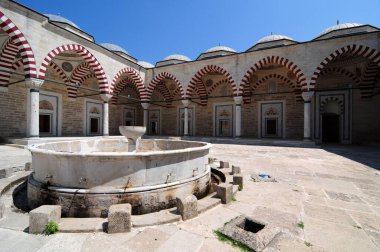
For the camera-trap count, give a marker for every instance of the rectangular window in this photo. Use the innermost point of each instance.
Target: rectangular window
(45, 123)
(271, 127)
(94, 125)
(224, 127)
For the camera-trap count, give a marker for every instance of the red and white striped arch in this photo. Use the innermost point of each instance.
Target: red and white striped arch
(358, 50)
(368, 80)
(217, 84)
(196, 82)
(301, 80)
(59, 71)
(161, 76)
(248, 90)
(340, 71)
(22, 44)
(126, 82)
(135, 77)
(7, 57)
(76, 78)
(86, 55)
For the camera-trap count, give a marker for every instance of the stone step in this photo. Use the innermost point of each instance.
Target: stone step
(17, 177)
(82, 225)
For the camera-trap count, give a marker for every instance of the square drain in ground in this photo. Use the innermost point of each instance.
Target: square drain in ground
(253, 233)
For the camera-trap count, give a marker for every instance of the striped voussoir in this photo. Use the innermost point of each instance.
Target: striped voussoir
(367, 82)
(59, 71)
(164, 91)
(358, 50)
(17, 65)
(22, 44)
(340, 71)
(76, 78)
(160, 77)
(196, 82)
(137, 80)
(86, 55)
(7, 57)
(216, 84)
(301, 80)
(331, 99)
(123, 84)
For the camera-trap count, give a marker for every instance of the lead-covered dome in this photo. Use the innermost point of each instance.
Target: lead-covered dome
(56, 18)
(274, 37)
(145, 64)
(113, 47)
(177, 57)
(339, 27)
(273, 40)
(220, 48)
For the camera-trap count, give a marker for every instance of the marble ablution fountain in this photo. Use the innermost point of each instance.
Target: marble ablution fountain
(87, 176)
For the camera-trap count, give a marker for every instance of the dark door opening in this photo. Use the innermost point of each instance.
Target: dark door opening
(330, 128)
(271, 127)
(45, 123)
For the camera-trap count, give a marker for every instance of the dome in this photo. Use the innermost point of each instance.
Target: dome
(61, 19)
(271, 38)
(145, 64)
(114, 48)
(340, 27)
(177, 57)
(220, 48)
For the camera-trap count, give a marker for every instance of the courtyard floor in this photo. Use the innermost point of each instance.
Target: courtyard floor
(325, 199)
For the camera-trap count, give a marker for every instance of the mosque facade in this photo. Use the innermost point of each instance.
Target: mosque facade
(55, 80)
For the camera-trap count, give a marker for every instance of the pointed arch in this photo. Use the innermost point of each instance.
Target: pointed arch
(368, 79)
(216, 84)
(24, 48)
(7, 57)
(86, 55)
(358, 50)
(126, 82)
(340, 71)
(158, 78)
(293, 85)
(196, 82)
(136, 79)
(301, 80)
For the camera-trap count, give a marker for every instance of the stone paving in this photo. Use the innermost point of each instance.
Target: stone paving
(333, 192)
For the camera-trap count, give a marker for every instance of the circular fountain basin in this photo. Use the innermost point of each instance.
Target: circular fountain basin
(86, 177)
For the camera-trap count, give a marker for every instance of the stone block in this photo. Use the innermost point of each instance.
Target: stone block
(224, 192)
(2, 210)
(28, 166)
(238, 180)
(119, 218)
(39, 217)
(187, 207)
(236, 170)
(224, 164)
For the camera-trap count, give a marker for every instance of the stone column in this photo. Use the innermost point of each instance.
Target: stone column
(34, 106)
(145, 106)
(307, 96)
(238, 100)
(186, 117)
(106, 98)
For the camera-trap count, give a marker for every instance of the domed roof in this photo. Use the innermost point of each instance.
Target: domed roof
(220, 48)
(145, 64)
(56, 18)
(275, 37)
(113, 47)
(340, 27)
(177, 57)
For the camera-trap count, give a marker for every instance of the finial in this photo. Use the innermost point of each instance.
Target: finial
(271, 33)
(219, 43)
(337, 21)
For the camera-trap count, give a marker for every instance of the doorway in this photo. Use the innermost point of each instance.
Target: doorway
(94, 118)
(224, 120)
(330, 128)
(154, 122)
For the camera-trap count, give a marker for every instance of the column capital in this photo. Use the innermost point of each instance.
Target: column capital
(145, 105)
(186, 102)
(307, 96)
(33, 83)
(106, 97)
(238, 99)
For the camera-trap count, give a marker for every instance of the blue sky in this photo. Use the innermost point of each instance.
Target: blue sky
(152, 30)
